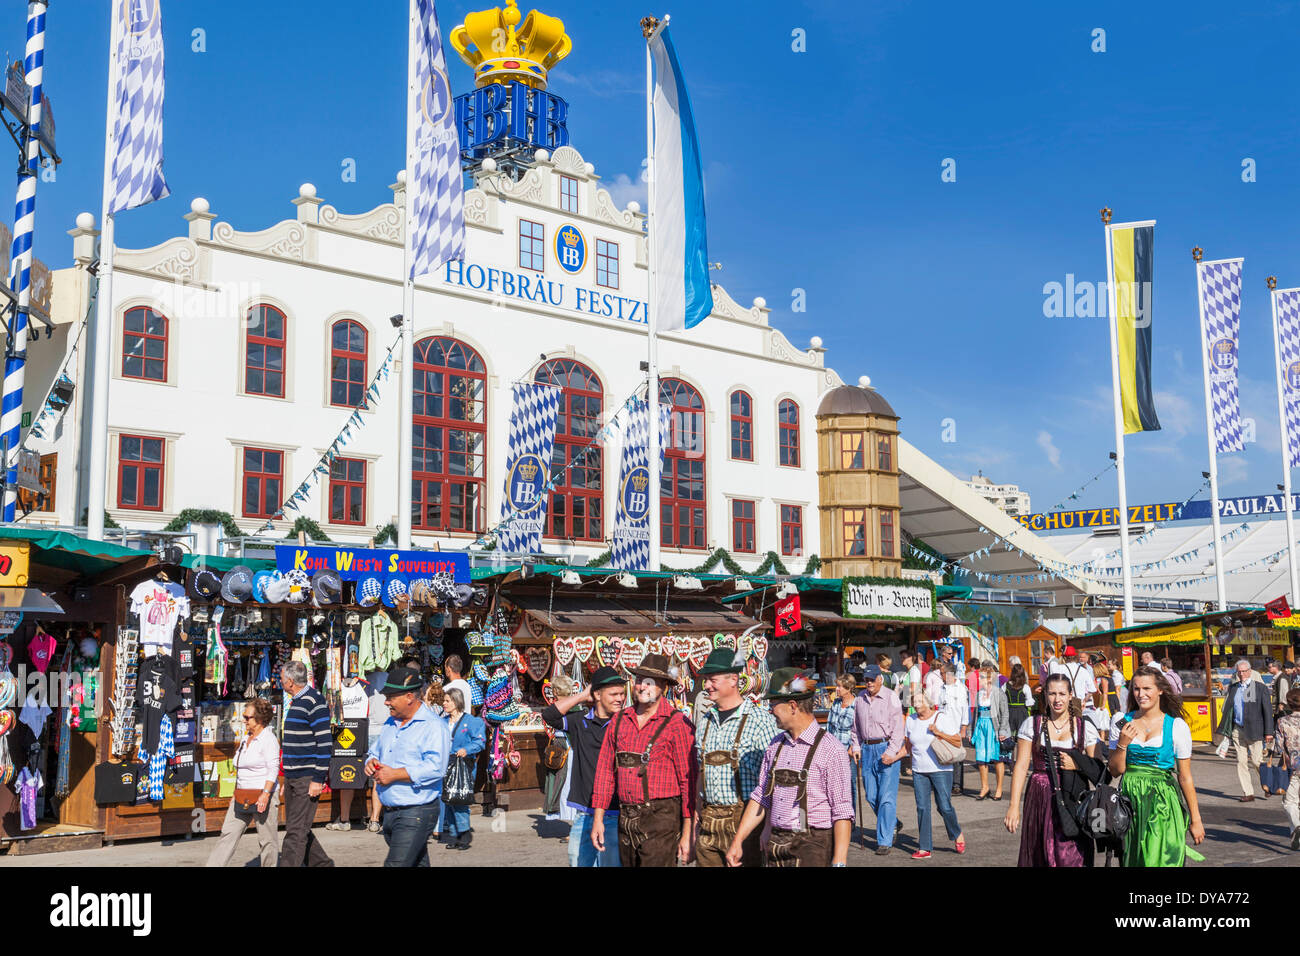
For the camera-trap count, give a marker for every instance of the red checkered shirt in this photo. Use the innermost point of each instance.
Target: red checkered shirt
(670, 772)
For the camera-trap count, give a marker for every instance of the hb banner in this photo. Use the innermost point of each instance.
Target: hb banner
(1287, 304)
(528, 467)
(1220, 288)
(630, 547)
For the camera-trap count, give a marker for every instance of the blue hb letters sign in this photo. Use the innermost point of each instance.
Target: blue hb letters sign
(570, 248)
(636, 493)
(503, 116)
(527, 478)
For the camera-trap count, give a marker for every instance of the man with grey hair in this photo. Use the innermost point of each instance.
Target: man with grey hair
(306, 747)
(1248, 723)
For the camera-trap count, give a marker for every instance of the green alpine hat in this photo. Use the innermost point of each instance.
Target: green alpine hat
(402, 681)
(790, 683)
(723, 660)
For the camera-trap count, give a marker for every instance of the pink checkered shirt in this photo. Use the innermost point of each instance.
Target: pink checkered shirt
(830, 781)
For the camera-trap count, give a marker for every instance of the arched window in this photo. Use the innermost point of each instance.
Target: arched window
(742, 426)
(681, 487)
(788, 439)
(450, 437)
(347, 363)
(144, 345)
(576, 508)
(264, 350)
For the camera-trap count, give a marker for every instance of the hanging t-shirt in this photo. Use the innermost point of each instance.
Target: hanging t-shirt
(35, 710)
(156, 696)
(29, 784)
(184, 651)
(160, 604)
(40, 650)
(356, 702)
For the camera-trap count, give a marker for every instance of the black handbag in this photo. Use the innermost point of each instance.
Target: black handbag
(458, 784)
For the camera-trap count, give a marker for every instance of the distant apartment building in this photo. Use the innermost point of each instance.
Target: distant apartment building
(1007, 497)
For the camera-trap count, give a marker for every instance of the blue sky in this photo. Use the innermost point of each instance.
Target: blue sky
(823, 175)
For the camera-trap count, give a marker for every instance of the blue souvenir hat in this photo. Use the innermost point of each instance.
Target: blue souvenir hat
(395, 592)
(368, 591)
(260, 580)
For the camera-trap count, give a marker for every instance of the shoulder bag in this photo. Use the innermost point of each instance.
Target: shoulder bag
(946, 753)
(458, 783)
(1064, 812)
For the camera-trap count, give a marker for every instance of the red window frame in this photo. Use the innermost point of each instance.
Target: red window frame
(568, 194)
(348, 363)
(854, 525)
(884, 453)
(886, 534)
(792, 529)
(744, 537)
(536, 251)
(348, 491)
(264, 478)
(604, 258)
(742, 425)
(133, 470)
(136, 344)
(576, 508)
(449, 466)
(788, 433)
(258, 347)
(683, 510)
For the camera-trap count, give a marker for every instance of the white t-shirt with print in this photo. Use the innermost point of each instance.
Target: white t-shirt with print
(1182, 737)
(918, 732)
(356, 702)
(160, 604)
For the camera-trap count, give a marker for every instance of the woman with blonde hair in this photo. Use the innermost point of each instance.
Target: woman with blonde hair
(992, 726)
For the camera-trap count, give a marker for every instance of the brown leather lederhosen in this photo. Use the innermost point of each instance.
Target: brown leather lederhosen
(647, 831)
(805, 846)
(719, 822)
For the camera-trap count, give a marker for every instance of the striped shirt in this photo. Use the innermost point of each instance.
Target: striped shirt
(830, 781)
(307, 744)
(720, 781)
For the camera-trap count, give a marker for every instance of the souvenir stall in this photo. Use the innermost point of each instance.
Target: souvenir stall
(567, 622)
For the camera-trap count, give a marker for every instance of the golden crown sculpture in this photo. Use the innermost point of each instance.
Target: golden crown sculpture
(640, 481)
(500, 51)
(570, 238)
(529, 470)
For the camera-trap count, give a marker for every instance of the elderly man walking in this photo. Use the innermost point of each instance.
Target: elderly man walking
(877, 739)
(1248, 723)
(306, 750)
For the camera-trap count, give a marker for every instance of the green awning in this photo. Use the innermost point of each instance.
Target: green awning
(80, 557)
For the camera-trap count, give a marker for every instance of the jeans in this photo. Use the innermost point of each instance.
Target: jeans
(880, 787)
(455, 817)
(581, 852)
(407, 831)
(941, 784)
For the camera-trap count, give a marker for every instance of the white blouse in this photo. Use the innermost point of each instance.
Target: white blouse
(1182, 737)
(257, 760)
(1090, 735)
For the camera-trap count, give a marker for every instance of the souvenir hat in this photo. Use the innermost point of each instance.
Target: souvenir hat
(277, 588)
(791, 683)
(498, 691)
(501, 655)
(445, 587)
(402, 680)
(604, 677)
(464, 594)
(237, 585)
(479, 596)
(421, 591)
(326, 587)
(503, 714)
(480, 645)
(299, 586)
(368, 591)
(203, 585)
(260, 580)
(395, 592)
(658, 667)
(723, 660)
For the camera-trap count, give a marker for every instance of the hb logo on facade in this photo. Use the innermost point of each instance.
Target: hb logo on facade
(526, 480)
(636, 493)
(570, 248)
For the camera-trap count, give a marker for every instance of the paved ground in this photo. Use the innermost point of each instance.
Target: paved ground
(1254, 834)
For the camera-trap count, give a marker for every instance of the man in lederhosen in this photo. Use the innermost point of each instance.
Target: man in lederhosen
(647, 759)
(731, 740)
(805, 783)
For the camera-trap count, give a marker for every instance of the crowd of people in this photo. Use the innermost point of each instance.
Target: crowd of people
(1098, 763)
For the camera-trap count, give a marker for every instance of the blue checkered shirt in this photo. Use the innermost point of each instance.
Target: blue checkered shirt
(712, 734)
(840, 722)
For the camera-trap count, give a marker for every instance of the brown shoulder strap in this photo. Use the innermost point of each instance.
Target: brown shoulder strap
(771, 771)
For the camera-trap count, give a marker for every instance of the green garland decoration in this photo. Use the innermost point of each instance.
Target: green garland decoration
(108, 519)
(772, 563)
(306, 526)
(205, 516)
(813, 566)
(387, 533)
(601, 560)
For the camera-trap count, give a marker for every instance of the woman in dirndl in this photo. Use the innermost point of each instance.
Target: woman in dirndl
(992, 726)
(1151, 746)
(1056, 730)
(1020, 697)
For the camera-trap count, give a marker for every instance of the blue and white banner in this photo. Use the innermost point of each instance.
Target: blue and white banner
(437, 190)
(630, 544)
(137, 150)
(528, 467)
(1288, 351)
(1220, 289)
(683, 296)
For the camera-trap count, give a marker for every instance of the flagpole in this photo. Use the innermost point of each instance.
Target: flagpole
(1119, 423)
(1286, 446)
(406, 400)
(649, 27)
(97, 482)
(20, 267)
(1220, 585)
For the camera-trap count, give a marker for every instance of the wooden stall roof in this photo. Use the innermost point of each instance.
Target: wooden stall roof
(625, 614)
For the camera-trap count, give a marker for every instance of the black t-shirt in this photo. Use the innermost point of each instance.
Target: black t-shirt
(184, 645)
(725, 715)
(156, 694)
(586, 733)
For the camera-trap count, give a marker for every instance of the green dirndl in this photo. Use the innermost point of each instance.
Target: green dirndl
(1158, 833)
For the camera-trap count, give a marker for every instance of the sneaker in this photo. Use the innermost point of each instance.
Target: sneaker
(1295, 839)
(883, 850)
(921, 855)
(374, 826)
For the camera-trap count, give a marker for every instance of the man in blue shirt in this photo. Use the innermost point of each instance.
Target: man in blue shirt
(407, 761)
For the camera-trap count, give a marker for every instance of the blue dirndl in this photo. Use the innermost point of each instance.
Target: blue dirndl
(987, 747)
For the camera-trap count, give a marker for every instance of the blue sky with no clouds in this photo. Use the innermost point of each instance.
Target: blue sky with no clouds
(823, 175)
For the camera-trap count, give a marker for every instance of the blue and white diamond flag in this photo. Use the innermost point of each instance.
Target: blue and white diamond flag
(630, 545)
(136, 176)
(437, 192)
(1288, 351)
(1220, 288)
(528, 468)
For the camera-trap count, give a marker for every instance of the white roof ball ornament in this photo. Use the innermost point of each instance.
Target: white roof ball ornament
(489, 165)
(85, 220)
(815, 342)
(633, 206)
(864, 381)
(307, 191)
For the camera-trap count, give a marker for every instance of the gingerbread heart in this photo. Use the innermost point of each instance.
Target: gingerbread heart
(758, 646)
(744, 683)
(583, 646)
(655, 645)
(538, 662)
(6, 721)
(631, 654)
(564, 651)
(700, 650)
(681, 647)
(548, 692)
(725, 640)
(607, 649)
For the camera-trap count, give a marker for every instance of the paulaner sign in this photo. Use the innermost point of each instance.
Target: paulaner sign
(888, 598)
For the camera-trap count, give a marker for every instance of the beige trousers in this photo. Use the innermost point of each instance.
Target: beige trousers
(1252, 752)
(268, 837)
